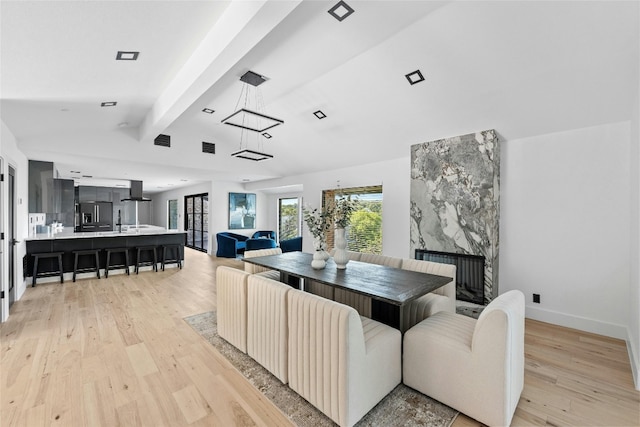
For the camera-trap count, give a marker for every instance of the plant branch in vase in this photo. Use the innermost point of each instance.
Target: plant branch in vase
(318, 223)
(344, 208)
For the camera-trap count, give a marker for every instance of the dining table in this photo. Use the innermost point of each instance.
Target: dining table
(390, 289)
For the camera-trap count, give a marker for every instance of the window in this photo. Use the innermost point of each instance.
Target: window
(288, 218)
(172, 214)
(364, 234)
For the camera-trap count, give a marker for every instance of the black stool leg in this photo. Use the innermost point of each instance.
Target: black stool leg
(155, 260)
(60, 267)
(35, 272)
(97, 264)
(126, 260)
(75, 267)
(106, 267)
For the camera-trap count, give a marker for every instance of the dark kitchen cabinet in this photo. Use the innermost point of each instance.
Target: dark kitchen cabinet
(41, 193)
(103, 194)
(87, 193)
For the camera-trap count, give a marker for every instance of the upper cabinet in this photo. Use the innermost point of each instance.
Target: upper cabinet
(40, 187)
(89, 193)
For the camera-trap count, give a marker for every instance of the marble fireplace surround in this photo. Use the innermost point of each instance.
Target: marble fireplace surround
(455, 199)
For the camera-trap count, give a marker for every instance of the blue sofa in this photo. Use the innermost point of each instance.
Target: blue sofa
(269, 234)
(230, 245)
(262, 239)
(291, 245)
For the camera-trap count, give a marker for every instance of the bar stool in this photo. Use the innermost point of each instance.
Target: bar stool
(78, 254)
(45, 255)
(176, 260)
(154, 263)
(108, 266)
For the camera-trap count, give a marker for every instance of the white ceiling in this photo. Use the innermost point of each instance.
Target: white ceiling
(523, 68)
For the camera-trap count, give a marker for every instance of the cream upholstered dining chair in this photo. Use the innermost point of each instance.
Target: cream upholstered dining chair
(474, 366)
(257, 269)
(267, 329)
(231, 289)
(341, 363)
(443, 298)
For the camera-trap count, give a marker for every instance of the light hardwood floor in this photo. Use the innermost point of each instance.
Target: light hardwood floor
(116, 351)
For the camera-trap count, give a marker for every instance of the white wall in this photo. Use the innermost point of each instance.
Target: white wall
(13, 157)
(564, 229)
(393, 175)
(218, 208)
(634, 300)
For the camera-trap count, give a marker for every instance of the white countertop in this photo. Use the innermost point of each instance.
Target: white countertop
(68, 233)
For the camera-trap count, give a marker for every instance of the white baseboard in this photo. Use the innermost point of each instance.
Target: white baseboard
(634, 360)
(593, 326)
(578, 322)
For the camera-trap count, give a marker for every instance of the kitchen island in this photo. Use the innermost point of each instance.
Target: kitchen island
(68, 241)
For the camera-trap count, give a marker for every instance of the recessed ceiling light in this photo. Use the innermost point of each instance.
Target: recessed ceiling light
(108, 104)
(123, 124)
(341, 11)
(87, 176)
(245, 180)
(184, 180)
(127, 56)
(64, 109)
(415, 77)
(266, 135)
(75, 172)
(208, 110)
(319, 114)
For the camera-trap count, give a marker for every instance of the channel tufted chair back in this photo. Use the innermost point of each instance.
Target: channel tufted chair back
(231, 288)
(442, 299)
(341, 363)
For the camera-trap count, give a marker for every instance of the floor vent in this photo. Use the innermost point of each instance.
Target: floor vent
(208, 147)
(163, 140)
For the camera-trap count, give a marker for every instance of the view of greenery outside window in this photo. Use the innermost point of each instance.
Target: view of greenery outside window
(172, 214)
(364, 233)
(288, 218)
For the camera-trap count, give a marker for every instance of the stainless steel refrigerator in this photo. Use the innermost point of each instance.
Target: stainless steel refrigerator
(96, 216)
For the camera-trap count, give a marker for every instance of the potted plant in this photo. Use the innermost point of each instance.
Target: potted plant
(344, 208)
(318, 222)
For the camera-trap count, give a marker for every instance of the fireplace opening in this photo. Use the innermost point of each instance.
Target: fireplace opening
(469, 272)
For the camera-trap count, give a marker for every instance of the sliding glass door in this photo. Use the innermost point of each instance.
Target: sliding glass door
(196, 217)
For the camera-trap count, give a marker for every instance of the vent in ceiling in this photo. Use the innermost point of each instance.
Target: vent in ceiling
(163, 140)
(208, 147)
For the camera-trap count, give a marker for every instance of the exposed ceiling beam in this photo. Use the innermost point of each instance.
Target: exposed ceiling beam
(241, 27)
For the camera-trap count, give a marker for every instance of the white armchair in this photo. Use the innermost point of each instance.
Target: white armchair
(443, 298)
(267, 334)
(257, 269)
(474, 366)
(341, 363)
(231, 288)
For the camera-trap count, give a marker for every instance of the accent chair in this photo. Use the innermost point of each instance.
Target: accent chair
(474, 366)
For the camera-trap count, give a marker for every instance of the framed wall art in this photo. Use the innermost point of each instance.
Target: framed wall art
(242, 211)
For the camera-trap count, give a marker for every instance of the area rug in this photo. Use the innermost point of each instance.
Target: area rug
(402, 407)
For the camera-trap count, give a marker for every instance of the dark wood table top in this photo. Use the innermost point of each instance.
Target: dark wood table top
(392, 285)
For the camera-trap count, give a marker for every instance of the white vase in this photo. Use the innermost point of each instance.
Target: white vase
(340, 256)
(318, 262)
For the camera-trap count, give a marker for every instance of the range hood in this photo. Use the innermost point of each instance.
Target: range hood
(135, 193)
